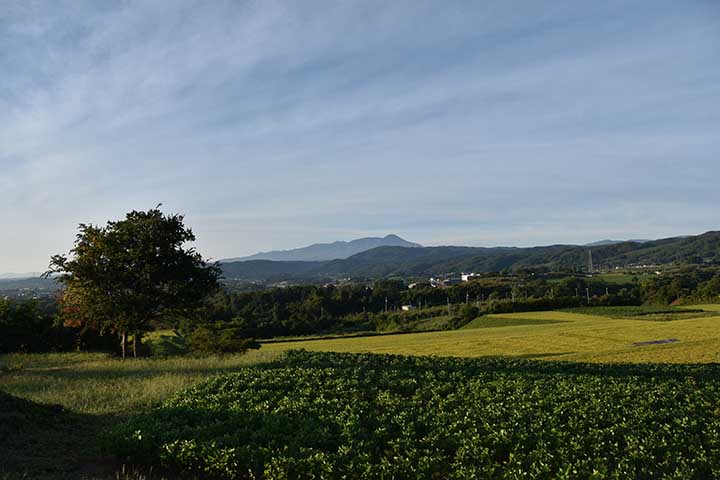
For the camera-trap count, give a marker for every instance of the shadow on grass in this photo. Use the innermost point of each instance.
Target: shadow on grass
(39, 441)
(531, 356)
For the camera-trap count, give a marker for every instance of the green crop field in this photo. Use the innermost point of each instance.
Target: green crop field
(617, 278)
(333, 416)
(549, 335)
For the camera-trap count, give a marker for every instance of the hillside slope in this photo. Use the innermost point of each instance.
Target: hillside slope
(386, 261)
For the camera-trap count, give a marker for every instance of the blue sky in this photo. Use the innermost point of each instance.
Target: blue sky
(278, 124)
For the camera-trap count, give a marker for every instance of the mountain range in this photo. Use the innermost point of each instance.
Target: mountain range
(10, 276)
(613, 242)
(427, 261)
(328, 251)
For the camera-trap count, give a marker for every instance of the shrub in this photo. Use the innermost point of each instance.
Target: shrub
(209, 339)
(466, 314)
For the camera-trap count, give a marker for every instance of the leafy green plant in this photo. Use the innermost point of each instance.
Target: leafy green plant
(330, 415)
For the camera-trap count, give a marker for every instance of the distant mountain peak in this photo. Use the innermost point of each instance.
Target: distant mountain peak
(601, 243)
(336, 250)
(16, 276)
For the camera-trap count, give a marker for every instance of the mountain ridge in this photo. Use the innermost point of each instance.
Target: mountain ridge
(387, 261)
(316, 252)
(17, 276)
(607, 241)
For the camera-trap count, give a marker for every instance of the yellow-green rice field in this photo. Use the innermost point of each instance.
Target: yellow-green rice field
(550, 335)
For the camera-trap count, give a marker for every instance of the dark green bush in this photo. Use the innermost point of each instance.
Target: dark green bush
(466, 314)
(209, 339)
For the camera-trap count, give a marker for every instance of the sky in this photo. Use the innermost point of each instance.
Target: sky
(273, 125)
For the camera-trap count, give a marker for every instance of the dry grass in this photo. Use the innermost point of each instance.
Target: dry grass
(579, 338)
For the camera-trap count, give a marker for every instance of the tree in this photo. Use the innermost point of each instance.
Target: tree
(467, 313)
(709, 290)
(127, 274)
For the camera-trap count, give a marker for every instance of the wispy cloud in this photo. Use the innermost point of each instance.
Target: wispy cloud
(274, 124)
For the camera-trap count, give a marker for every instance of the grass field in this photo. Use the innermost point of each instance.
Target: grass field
(549, 335)
(95, 393)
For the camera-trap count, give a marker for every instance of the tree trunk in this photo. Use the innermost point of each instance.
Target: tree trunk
(136, 344)
(124, 343)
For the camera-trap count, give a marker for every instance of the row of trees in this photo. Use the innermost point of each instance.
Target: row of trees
(34, 326)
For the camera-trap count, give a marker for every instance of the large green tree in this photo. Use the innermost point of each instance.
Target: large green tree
(127, 274)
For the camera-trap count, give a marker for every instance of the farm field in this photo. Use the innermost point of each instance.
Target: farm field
(558, 335)
(618, 278)
(70, 400)
(330, 415)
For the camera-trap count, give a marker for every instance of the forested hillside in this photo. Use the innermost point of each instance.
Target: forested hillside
(402, 261)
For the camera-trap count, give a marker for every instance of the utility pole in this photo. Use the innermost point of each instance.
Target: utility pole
(607, 292)
(587, 293)
(386, 303)
(467, 297)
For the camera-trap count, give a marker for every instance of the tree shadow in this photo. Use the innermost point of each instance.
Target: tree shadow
(48, 441)
(531, 356)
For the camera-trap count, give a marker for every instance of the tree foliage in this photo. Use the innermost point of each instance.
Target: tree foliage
(131, 272)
